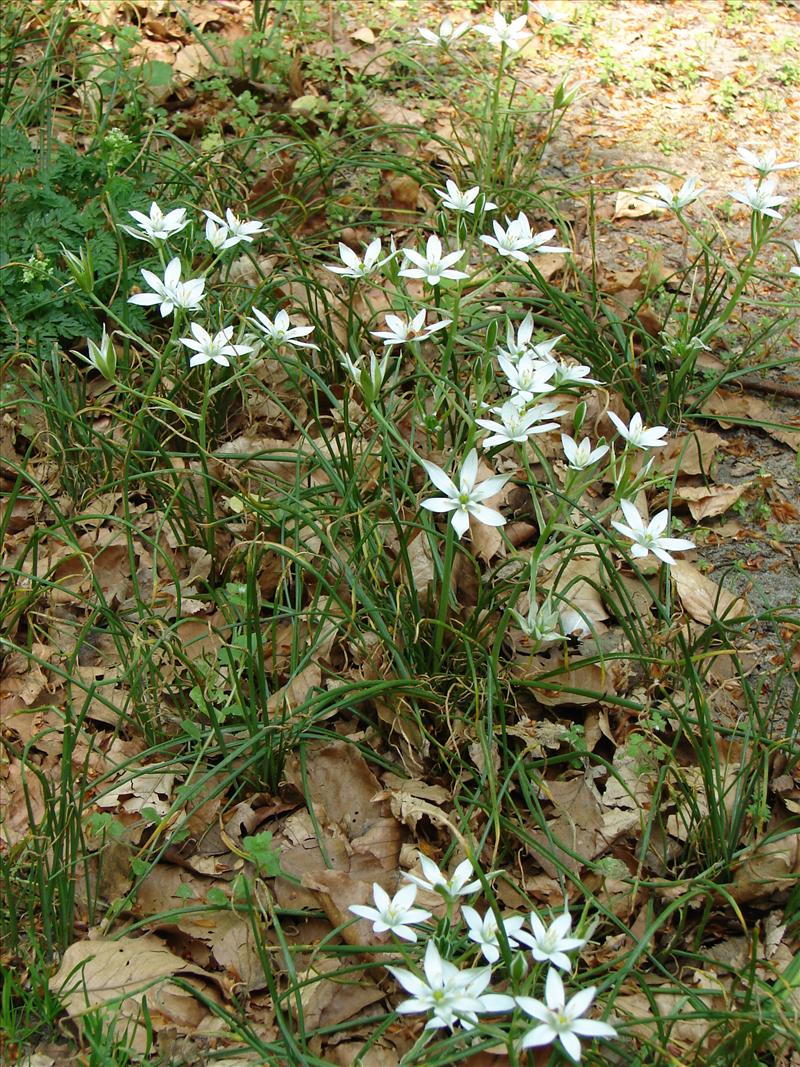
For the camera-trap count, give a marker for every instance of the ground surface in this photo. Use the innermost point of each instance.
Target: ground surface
(664, 87)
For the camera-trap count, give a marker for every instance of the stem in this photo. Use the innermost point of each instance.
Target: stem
(444, 600)
(495, 104)
(202, 444)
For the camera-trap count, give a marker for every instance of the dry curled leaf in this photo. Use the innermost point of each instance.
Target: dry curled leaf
(701, 597)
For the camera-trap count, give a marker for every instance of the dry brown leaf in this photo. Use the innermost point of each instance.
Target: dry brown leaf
(285, 700)
(692, 1031)
(706, 502)
(692, 453)
(337, 890)
(119, 973)
(328, 1000)
(340, 785)
(399, 197)
(387, 109)
(420, 560)
(691, 796)
(725, 406)
(574, 833)
(192, 61)
(22, 682)
(412, 800)
(139, 789)
(701, 597)
(228, 935)
(630, 204)
(626, 798)
(21, 803)
(771, 868)
(363, 34)
(347, 1053)
(579, 584)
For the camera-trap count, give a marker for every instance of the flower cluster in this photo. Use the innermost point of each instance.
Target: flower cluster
(172, 292)
(502, 34)
(531, 372)
(454, 996)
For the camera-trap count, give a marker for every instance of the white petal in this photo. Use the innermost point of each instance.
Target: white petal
(460, 523)
(364, 912)
(469, 471)
(440, 504)
(593, 1028)
(490, 487)
(410, 983)
(554, 990)
(572, 1045)
(631, 513)
(540, 1035)
(439, 478)
(172, 274)
(487, 516)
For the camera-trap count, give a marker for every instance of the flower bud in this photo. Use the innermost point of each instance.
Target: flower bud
(564, 95)
(491, 335)
(102, 357)
(579, 417)
(518, 969)
(80, 267)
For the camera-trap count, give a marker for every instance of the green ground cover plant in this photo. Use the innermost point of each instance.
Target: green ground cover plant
(364, 697)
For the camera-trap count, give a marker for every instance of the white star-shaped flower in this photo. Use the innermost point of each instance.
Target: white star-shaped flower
(216, 235)
(562, 1021)
(356, 267)
(580, 456)
(452, 996)
(552, 943)
(547, 15)
(237, 230)
(511, 34)
(527, 378)
(520, 344)
(432, 266)
(458, 883)
(395, 913)
(446, 35)
(453, 198)
(516, 424)
(484, 931)
(760, 198)
(566, 374)
(156, 226)
(281, 331)
(637, 434)
(686, 195)
(401, 331)
(767, 163)
(649, 537)
(171, 293)
(216, 349)
(463, 500)
(517, 239)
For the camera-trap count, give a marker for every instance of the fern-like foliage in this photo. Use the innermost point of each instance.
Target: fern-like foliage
(46, 206)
